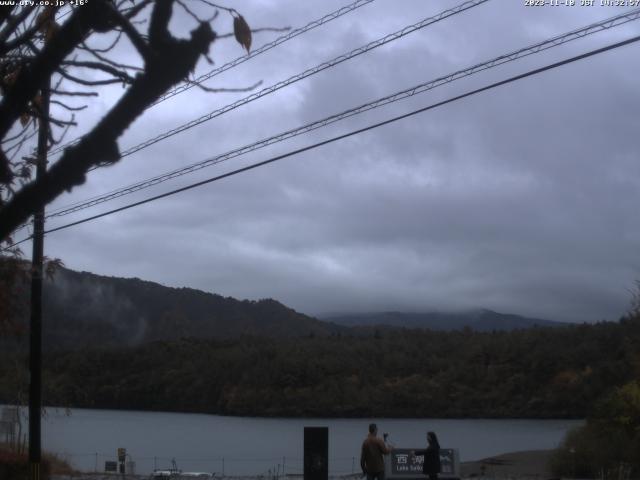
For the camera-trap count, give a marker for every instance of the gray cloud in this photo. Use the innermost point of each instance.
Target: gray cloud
(521, 199)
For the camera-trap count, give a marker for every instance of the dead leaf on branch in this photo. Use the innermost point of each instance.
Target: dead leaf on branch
(242, 32)
(51, 265)
(25, 172)
(37, 101)
(46, 22)
(45, 18)
(25, 117)
(52, 29)
(10, 78)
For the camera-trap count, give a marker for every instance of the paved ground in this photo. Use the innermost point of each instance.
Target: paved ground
(529, 464)
(517, 465)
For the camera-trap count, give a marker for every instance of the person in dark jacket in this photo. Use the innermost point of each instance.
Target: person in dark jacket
(431, 465)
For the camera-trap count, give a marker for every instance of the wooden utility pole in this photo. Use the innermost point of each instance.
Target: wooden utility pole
(35, 351)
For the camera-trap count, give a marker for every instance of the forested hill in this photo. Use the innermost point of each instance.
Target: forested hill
(480, 320)
(535, 373)
(81, 308)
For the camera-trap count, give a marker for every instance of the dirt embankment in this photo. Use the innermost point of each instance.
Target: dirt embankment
(528, 464)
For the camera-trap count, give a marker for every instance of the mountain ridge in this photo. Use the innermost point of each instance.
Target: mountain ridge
(84, 309)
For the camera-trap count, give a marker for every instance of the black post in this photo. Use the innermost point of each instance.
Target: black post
(35, 356)
(316, 453)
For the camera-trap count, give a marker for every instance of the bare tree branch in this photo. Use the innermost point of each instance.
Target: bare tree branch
(233, 11)
(18, 135)
(90, 83)
(69, 107)
(189, 11)
(62, 123)
(30, 78)
(122, 75)
(159, 27)
(83, 45)
(55, 141)
(16, 148)
(99, 146)
(12, 24)
(133, 11)
(108, 61)
(74, 93)
(133, 35)
(36, 49)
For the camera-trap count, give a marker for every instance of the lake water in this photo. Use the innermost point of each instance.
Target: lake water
(249, 446)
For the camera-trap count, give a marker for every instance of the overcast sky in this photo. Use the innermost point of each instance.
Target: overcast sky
(522, 199)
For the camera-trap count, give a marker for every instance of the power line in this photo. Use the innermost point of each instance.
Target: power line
(356, 132)
(244, 58)
(421, 88)
(307, 73)
(264, 48)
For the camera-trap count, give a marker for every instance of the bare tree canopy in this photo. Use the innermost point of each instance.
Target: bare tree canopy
(43, 44)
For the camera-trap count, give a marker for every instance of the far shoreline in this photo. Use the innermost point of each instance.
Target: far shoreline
(303, 417)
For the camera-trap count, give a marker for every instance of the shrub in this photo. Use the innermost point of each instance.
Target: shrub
(15, 466)
(608, 445)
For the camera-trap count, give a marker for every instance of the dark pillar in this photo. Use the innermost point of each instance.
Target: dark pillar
(35, 351)
(316, 453)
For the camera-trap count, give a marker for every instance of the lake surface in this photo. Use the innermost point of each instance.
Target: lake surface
(249, 446)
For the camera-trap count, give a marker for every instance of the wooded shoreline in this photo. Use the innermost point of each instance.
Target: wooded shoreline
(539, 373)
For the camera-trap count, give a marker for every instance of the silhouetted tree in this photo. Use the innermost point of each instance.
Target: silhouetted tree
(35, 48)
(71, 54)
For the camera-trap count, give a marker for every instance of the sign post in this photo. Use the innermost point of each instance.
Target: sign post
(122, 456)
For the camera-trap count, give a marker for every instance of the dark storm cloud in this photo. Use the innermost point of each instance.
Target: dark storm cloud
(522, 199)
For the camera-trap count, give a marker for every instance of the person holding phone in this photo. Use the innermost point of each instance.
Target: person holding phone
(431, 465)
(371, 460)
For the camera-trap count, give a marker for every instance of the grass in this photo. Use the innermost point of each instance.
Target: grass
(14, 465)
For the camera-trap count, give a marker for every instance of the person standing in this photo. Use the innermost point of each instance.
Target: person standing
(373, 448)
(431, 465)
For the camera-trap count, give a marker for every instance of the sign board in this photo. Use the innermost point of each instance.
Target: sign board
(111, 467)
(400, 465)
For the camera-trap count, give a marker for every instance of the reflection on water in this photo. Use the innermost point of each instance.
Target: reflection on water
(246, 446)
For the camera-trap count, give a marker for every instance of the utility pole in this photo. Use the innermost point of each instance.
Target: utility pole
(35, 351)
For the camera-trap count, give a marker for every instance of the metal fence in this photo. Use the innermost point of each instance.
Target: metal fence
(236, 466)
